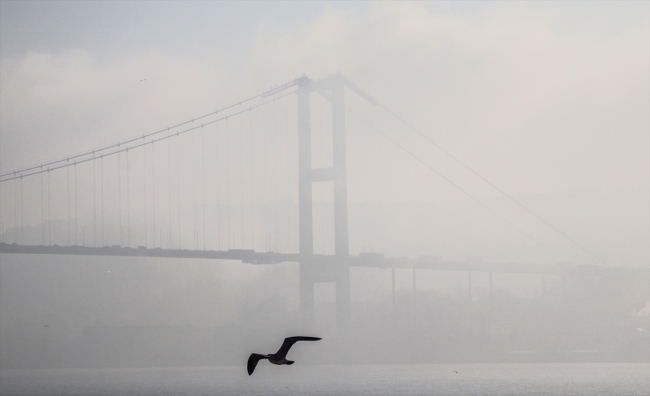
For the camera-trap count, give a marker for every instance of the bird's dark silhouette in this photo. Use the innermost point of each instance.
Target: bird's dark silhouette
(280, 357)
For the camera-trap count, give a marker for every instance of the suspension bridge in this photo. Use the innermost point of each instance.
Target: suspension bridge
(219, 186)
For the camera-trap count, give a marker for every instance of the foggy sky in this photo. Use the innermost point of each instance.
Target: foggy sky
(549, 101)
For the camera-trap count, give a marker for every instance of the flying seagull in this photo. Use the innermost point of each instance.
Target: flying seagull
(280, 357)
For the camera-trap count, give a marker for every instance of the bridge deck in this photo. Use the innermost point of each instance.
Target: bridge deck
(372, 260)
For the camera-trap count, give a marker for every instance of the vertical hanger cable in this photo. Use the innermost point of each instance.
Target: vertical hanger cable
(194, 192)
(203, 181)
(15, 212)
(287, 118)
(227, 186)
(67, 176)
(178, 187)
(128, 201)
(153, 192)
(250, 138)
(119, 194)
(76, 204)
(101, 187)
(144, 185)
(169, 187)
(94, 206)
(275, 177)
(241, 173)
(264, 170)
(49, 209)
(42, 221)
(22, 214)
(218, 180)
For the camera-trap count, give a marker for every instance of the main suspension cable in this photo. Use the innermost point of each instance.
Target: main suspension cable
(112, 146)
(453, 184)
(17, 174)
(510, 197)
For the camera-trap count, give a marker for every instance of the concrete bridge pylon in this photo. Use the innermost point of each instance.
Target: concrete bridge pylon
(312, 271)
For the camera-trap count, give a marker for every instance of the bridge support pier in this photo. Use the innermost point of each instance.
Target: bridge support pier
(306, 293)
(393, 279)
(312, 272)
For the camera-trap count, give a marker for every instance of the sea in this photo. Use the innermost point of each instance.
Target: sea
(589, 379)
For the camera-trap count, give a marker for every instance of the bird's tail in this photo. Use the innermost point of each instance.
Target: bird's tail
(290, 362)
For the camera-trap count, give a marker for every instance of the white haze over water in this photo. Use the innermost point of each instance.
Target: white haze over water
(577, 379)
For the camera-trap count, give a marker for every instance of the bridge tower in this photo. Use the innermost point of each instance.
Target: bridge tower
(313, 270)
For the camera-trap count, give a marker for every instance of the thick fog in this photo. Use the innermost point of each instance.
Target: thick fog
(505, 132)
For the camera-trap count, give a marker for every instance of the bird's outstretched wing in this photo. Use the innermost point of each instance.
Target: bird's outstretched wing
(289, 341)
(252, 361)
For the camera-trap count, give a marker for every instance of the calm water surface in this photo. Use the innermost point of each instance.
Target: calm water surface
(434, 379)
